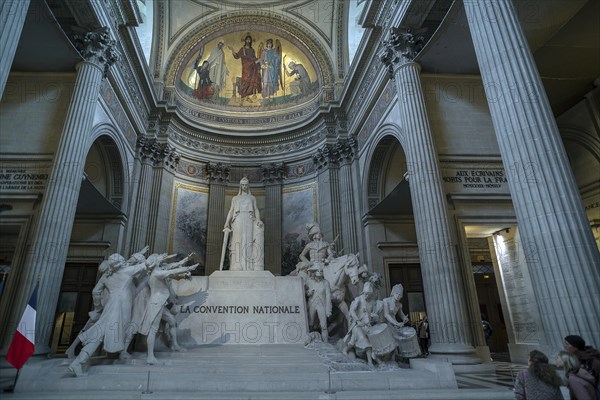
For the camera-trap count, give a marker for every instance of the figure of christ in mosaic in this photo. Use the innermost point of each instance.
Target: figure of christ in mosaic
(251, 84)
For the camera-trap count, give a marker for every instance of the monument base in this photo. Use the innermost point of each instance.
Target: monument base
(241, 307)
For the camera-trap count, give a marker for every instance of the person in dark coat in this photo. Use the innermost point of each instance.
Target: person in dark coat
(539, 381)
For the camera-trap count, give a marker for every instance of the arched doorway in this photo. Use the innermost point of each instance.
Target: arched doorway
(97, 230)
(389, 224)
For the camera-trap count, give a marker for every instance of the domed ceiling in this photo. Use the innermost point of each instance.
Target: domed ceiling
(249, 69)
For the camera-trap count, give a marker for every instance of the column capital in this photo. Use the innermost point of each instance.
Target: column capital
(98, 48)
(157, 153)
(326, 156)
(273, 172)
(346, 149)
(401, 48)
(218, 172)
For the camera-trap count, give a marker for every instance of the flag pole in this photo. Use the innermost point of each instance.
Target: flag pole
(11, 388)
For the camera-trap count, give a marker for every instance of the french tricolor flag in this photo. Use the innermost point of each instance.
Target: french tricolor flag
(23, 344)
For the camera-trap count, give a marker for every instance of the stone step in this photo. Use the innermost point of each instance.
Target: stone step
(223, 369)
(430, 394)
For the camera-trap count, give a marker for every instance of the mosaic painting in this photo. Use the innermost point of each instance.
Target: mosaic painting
(249, 69)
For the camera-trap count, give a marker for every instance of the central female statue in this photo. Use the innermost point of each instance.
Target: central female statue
(246, 232)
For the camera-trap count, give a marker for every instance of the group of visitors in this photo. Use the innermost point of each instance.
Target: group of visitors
(581, 365)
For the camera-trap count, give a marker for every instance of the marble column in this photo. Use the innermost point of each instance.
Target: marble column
(346, 150)
(441, 271)
(50, 243)
(272, 177)
(166, 160)
(143, 192)
(330, 218)
(12, 19)
(558, 243)
(218, 175)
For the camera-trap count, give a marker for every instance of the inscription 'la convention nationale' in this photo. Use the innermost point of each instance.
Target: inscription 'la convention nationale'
(240, 309)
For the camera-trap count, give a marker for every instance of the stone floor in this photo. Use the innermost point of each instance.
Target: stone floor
(504, 375)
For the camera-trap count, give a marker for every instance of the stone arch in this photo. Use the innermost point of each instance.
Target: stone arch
(386, 149)
(109, 168)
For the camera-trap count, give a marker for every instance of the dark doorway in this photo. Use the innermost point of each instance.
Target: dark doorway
(489, 305)
(74, 304)
(413, 301)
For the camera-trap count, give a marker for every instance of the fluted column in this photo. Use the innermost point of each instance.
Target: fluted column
(330, 218)
(444, 294)
(272, 177)
(139, 220)
(346, 150)
(559, 246)
(218, 174)
(165, 158)
(50, 244)
(12, 19)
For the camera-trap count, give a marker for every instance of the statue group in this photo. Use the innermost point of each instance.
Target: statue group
(132, 296)
(135, 296)
(373, 330)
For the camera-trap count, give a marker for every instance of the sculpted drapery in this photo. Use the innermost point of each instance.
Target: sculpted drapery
(246, 237)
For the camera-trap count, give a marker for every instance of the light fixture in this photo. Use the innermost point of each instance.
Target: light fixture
(500, 231)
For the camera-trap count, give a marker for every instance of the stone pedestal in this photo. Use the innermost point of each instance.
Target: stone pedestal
(241, 307)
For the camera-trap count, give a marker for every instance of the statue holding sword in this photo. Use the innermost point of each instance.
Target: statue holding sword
(244, 233)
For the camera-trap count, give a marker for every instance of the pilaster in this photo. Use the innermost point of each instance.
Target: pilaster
(165, 159)
(218, 175)
(346, 150)
(272, 177)
(327, 166)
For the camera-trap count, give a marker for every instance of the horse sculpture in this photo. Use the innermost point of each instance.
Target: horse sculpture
(339, 272)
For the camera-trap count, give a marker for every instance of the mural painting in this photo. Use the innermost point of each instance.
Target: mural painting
(299, 204)
(249, 69)
(189, 224)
